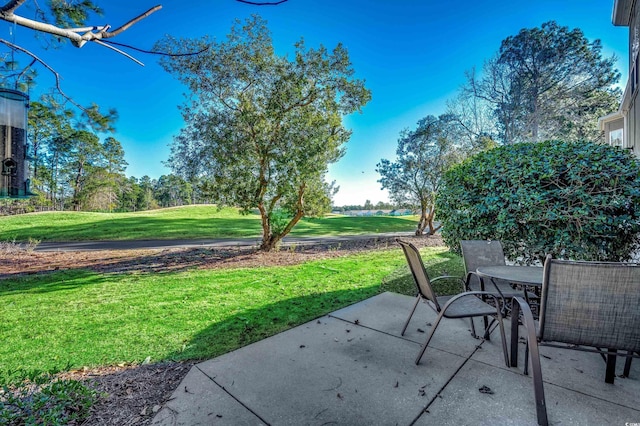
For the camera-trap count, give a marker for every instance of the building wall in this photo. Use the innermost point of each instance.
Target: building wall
(633, 114)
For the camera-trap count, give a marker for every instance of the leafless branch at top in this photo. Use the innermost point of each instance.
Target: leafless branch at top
(11, 6)
(258, 3)
(47, 66)
(131, 22)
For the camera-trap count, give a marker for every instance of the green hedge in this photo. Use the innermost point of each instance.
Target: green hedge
(571, 200)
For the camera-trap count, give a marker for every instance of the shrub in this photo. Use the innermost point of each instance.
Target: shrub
(45, 400)
(571, 200)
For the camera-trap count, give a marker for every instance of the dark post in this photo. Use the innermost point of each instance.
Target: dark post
(13, 144)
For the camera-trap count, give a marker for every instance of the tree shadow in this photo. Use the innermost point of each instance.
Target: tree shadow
(52, 282)
(255, 324)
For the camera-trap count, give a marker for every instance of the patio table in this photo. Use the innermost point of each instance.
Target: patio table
(515, 274)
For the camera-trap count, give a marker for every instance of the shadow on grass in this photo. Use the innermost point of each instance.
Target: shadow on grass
(59, 281)
(234, 332)
(253, 325)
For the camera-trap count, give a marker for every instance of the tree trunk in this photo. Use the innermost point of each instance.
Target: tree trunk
(422, 223)
(271, 240)
(432, 214)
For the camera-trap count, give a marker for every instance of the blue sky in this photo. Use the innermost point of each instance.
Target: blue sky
(412, 54)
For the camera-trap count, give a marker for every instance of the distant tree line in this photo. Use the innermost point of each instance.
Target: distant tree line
(380, 205)
(72, 168)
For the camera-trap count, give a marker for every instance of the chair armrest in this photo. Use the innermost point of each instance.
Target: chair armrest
(520, 304)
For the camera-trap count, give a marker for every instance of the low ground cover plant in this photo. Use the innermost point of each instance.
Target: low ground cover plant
(45, 399)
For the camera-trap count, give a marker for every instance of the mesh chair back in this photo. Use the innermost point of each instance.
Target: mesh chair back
(593, 304)
(481, 253)
(420, 276)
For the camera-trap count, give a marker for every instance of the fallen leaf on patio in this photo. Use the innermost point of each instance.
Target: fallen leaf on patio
(396, 385)
(420, 330)
(428, 324)
(547, 357)
(302, 346)
(486, 389)
(339, 396)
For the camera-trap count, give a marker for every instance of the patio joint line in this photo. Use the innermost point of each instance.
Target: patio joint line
(480, 340)
(213, 379)
(375, 329)
(424, 410)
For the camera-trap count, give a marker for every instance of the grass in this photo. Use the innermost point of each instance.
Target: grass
(188, 222)
(79, 318)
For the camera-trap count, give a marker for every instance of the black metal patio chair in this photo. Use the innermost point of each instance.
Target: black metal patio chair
(585, 306)
(463, 305)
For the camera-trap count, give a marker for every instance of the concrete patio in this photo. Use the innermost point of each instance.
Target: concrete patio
(352, 367)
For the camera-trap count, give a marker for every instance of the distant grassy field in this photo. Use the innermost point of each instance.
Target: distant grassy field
(188, 222)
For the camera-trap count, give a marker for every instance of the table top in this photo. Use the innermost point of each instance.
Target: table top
(525, 275)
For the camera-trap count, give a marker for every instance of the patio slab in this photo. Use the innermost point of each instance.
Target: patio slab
(352, 367)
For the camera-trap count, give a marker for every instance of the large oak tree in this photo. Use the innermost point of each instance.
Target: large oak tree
(262, 128)
(548, 82)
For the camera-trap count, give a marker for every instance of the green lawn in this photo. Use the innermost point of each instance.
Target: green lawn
(79, 318)
(178, 223)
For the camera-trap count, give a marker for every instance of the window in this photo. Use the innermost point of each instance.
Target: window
(615, 137)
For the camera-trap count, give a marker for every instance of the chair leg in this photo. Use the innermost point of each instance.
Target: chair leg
(627, 365)
(532, 343)
(487, 331)
(503, 338)
(486, 326)
(426, 343)
(415, 305)
(610, 374)
(473, 329)
(515, 337)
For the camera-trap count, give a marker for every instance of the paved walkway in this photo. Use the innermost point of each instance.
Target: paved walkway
(217, 242)
(353, 368)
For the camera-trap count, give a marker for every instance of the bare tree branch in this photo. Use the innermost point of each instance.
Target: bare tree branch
(257, 3)
(6, 14)
(131, 22)
(11, 6)
(25, 70)
(47, 66)
(115, 49)
(154, 52)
